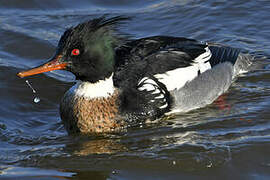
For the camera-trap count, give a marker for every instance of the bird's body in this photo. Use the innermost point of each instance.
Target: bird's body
(137, 81)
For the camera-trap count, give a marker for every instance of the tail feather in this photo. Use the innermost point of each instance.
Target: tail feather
(222, 54)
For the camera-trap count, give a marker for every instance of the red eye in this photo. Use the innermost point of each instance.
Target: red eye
(75, 52)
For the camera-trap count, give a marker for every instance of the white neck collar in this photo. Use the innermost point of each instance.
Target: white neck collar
(100, 89)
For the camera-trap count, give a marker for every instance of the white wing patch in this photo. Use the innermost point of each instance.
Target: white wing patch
(204, 56)
(202, 60)
(177, 78)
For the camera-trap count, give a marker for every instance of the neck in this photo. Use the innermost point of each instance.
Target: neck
(100, 89)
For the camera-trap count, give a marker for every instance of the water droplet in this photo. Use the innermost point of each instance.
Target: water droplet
(36, 100)
(28, 83)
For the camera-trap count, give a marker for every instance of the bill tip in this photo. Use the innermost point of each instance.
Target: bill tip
(20, 74)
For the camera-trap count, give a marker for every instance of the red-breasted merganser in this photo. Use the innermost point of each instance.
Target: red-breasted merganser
(124, 83)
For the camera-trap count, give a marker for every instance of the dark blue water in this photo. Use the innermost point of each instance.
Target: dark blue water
(208, 143)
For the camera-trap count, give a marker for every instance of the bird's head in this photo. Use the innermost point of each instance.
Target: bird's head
(86, 50)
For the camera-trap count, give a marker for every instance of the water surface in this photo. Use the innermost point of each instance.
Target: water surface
(211, 142)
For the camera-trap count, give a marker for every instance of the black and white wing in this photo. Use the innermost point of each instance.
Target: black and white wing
(154, 66)
(149, 100)
(173, 61)
(175, 66)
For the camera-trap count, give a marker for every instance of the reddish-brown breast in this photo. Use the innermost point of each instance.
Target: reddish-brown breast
(98, 115)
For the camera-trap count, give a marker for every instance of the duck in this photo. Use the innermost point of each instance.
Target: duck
(123, 82)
